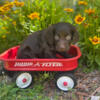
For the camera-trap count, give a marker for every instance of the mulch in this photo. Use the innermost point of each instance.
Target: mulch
(88, 85)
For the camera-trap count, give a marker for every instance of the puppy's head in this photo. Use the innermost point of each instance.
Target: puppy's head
(61, 36)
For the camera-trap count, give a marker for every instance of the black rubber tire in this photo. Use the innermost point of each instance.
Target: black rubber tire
(1, 68)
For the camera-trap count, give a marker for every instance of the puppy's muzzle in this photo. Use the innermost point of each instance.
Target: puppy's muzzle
(62, 46)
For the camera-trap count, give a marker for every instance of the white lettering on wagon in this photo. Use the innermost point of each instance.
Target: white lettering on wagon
(52, 64)
(23, 64)
(38, 64)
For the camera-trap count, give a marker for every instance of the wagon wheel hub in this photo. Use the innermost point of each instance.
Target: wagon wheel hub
(24, 80)
(65, 83)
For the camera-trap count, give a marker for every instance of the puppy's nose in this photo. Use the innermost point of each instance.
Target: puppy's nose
(62, 48)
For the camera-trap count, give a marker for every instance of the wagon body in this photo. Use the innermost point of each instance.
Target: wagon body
(13, 64)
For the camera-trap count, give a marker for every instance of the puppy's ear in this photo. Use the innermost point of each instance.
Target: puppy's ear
(75, 35)
(49, 35)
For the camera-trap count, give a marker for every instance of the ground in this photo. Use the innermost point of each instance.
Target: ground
(88, 84)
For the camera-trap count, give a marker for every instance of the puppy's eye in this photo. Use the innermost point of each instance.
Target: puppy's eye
(56, 37)
(68, 37)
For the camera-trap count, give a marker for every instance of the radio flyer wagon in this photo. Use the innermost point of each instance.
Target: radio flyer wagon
(23, 67)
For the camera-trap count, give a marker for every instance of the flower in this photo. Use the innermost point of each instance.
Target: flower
(15, 0)
(3, 28)
(14, 23)
(95, 40)
(82, 3)
(7, 32)
(6, 18)
(10, 5)
(86, 25)
(79, 19)
(96, 17)
(34, 15)
(6, 7)
(3, 36)
(90, 11)
(1, 10)
(68, 9)
(18, 4)
(15, 11)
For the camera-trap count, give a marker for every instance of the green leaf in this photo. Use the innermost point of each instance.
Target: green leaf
(97, 59)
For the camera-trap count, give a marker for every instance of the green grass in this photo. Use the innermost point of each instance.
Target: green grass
(35, 92)
(9, 92)
(51, 12)
(40, 89)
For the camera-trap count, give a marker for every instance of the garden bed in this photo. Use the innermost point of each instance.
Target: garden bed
(88, 84)
(20, 18)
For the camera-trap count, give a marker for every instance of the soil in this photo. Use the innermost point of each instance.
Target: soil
(88, 84)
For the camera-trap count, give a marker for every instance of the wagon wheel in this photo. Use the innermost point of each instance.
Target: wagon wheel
(1, 67)
(65, 81)
(23, 79)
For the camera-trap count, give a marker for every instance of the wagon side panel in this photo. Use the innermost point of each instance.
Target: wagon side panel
(41, 65)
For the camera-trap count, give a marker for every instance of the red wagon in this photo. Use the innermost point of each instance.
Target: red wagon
(23, 67)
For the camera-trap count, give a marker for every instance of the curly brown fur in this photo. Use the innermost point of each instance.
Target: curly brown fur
(57, 38)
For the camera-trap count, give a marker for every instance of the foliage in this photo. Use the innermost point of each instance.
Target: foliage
(35, 92)
(20, 18)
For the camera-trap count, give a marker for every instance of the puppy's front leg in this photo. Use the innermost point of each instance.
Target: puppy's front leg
(49, 54)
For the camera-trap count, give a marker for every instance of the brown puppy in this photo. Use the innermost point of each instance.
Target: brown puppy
(56, 38)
